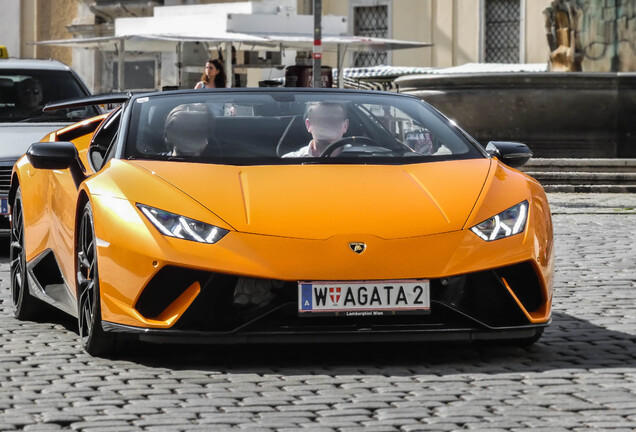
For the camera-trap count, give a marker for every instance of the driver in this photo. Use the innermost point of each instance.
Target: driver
(29, 97)
(326, 122)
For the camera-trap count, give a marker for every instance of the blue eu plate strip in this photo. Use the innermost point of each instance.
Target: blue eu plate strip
(306, 297)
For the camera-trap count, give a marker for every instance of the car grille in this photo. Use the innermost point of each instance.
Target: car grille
(5, 177)
(229, 303)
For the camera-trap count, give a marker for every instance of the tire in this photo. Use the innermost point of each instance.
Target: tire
(25, 306)
(94, 339)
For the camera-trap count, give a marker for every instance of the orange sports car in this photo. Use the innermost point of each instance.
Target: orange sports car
(279, 215)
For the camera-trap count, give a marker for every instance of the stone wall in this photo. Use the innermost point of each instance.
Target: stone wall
(556, 114)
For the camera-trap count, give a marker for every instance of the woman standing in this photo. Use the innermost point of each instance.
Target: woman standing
(213, 77)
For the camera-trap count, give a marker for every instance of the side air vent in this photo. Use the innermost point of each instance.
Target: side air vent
(168, 284)
(77, 132)
(523, 281)
(46, 271)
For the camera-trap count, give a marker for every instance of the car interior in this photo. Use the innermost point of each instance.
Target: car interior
(234, 136)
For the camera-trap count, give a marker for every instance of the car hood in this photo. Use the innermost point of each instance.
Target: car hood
(320, 201)
(15, 138)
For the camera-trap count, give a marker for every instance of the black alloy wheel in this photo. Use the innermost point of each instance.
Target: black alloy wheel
(94, 340)
(25, 306)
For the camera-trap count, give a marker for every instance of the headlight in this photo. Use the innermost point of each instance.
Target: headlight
(505, 224)
(174, 225)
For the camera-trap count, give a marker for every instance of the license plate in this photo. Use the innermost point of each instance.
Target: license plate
(4, 205)
(364, 298)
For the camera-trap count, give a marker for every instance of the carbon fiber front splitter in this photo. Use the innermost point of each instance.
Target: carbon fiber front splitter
(332, 336)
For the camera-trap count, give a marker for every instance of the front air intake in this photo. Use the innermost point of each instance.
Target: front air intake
(165, 287)
(523, 281)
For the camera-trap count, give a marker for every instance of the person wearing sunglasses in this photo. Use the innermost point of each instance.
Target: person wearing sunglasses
(29, 97)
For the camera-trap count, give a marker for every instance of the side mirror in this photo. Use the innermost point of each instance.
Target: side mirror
(52, 155)
(513, 154)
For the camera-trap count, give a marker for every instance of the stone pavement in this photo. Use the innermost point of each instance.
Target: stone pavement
(596, 203)
(581, 376)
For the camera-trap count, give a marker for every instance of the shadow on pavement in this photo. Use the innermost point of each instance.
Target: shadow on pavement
(569, 343)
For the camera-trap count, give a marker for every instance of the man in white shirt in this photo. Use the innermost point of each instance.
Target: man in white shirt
(326, 122)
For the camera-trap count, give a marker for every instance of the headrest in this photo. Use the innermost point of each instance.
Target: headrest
(189, 122)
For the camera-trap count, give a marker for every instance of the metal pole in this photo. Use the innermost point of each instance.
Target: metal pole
(228, 64)
(342, 49)
(121, 62)
(317, 52)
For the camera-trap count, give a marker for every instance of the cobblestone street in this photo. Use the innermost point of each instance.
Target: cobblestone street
(581, 376)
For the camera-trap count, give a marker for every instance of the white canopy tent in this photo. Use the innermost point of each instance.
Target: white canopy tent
(250, 26)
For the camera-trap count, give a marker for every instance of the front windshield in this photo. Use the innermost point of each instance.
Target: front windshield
(283, 127)
(24, 92)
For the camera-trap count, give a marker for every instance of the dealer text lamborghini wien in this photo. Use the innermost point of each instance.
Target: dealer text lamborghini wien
(279, 215)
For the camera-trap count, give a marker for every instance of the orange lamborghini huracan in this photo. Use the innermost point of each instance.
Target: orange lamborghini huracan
(279, 215)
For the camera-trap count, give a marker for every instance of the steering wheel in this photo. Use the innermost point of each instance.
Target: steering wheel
(350, 140)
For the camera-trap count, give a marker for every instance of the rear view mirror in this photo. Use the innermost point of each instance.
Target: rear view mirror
(513, 154)
(52, 155)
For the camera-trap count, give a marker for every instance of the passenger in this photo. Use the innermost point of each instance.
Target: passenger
(327, 122)
(213, 77)
(187, 129)
(29, 98)
(419, 140)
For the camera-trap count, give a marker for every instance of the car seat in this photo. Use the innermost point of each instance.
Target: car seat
(190, 123)
(294, 137)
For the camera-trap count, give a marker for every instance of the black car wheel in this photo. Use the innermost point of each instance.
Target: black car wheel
(94, 340)
(25, 306)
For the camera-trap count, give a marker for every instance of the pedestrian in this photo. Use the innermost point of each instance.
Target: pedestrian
(214, 75)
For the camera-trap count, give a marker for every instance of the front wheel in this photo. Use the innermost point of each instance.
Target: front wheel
(25, 306)
(94, 339)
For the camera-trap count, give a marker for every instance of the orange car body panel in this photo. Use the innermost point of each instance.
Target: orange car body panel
(281, 218)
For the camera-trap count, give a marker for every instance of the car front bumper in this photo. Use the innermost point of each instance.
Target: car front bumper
(359, 335)
(504, 303)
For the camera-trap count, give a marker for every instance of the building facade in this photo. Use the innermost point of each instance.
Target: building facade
(461, 31)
